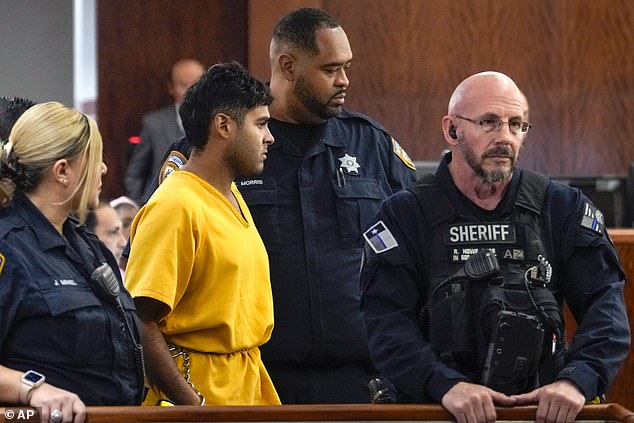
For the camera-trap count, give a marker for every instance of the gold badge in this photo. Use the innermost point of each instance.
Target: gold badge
(174, 161)
(401, 154)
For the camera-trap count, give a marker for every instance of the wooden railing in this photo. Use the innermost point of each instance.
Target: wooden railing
(314, 413)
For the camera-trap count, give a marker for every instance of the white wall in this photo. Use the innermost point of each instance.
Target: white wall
(36, 49)
(85, 83)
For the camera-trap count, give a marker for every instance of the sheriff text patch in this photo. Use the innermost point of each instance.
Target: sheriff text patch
(478, 233)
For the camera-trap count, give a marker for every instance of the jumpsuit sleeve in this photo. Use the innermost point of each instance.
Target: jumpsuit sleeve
(162, 253)
(592, 283)
(392, 296)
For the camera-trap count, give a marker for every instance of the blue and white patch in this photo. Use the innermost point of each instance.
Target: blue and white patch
(592, 219)
(379, 238)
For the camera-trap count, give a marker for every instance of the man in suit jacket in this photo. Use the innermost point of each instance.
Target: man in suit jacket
(160, 129)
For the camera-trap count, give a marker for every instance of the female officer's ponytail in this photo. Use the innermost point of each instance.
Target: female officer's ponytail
(14, 176)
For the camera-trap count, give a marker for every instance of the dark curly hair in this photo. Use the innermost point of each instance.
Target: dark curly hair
(10, 110)
(225, 88)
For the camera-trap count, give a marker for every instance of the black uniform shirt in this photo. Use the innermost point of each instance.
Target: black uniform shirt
(310, 206)
(51, 320)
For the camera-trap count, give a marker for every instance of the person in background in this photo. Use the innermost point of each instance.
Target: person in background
(466, 273)
(198, 270)
(10, 110)
(104, 222)
(127, 209)
(63, 344)
(160, 129)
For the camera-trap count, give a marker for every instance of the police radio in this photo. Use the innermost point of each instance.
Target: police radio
(513, 354)
(106, 283)
(481, 266)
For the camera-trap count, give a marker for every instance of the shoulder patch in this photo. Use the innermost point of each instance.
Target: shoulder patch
(175, 160)
(592, 218)
(2, 260)
(379, 238)
(401, 154)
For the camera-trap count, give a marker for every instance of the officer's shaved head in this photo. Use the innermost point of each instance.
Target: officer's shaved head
(481, 86)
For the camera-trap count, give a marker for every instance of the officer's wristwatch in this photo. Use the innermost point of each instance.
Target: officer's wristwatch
(30, 381)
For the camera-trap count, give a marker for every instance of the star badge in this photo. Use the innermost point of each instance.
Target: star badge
(349, 163)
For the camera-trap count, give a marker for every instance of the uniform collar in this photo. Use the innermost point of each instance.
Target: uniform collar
(331, 138)
(326, 137)
(46, 234)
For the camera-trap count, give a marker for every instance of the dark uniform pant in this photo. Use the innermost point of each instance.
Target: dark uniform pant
(322, 383)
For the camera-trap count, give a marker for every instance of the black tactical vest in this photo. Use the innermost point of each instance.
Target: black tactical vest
(460, 318)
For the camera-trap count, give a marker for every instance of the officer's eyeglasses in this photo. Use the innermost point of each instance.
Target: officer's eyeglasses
(516, 126)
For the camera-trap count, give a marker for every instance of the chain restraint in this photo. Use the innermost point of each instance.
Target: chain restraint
(177, 351)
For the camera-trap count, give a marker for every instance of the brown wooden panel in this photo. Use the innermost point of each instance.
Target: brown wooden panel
(597, 92)
(410, 55)
(138, 40)
(572, 58)
(262, 17)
